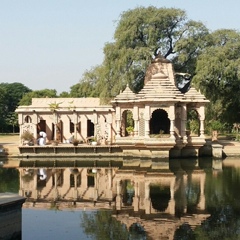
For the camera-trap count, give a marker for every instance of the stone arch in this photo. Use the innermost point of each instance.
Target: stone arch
(90, 178)
(75, 178)
(159, 122)
(128, 192)
(126, 121)
(193, 122)
(90, 128)
(28, 119)
(160, 197)
(59, 181)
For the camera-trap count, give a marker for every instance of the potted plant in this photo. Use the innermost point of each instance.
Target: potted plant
(94, 141)
(130, 130)
(28, 138)
(75, 142)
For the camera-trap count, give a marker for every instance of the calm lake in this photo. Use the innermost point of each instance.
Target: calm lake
(107, 199)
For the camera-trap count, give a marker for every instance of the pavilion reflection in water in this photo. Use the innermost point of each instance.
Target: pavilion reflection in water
(159, 196)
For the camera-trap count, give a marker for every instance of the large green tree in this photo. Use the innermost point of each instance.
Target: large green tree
(218, 75)
(15, 92)
(87, 87)
(3, 107)
(11, 94)
(141, 34)
(27, 98)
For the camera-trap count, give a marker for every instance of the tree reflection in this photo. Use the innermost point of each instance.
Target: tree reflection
(222, 202)
(101, 225)
(9, 180)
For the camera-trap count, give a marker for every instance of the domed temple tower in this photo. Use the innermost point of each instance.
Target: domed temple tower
(159, 113)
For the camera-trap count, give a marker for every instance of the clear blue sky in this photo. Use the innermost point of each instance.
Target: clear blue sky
(50, 43)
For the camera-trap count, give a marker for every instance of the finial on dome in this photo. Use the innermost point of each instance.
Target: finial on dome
(160, 58)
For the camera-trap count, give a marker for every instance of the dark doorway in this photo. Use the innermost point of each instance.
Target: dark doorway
(59, 131)
(41, 126)
(159, 122)
(90, 128)
(160, 196)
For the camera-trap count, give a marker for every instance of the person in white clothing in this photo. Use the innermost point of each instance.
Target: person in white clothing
(43, 138)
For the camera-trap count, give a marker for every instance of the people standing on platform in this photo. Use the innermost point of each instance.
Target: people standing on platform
(43, 138)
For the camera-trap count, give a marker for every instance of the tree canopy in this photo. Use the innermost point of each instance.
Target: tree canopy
(218, 77)
(11, 94)
(140, 35)
(27, 98)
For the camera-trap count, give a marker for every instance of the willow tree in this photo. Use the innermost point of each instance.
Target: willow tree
(140, 35)
(218, 75)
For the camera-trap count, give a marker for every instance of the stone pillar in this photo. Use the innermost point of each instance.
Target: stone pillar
(147, 198)
(201, 118)
(136, 197)
(171, 204)
(95, 122)
(172, 119)
(55, 120)
(147, 121)
(84, 181)
(217, 151)
(95, 187)
(109, 124)
(202, 202)
(136, 121)
(35, 191)
(118, 121)
(183, 123)
(109, 178)
(118, 197)
(55, 186)
(75, 122)
(75, 191)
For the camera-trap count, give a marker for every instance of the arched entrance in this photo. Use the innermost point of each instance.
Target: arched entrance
(90, 128)
(193, 123)
(159, 122)
(127, 124)
(128, 192)
(160, 197)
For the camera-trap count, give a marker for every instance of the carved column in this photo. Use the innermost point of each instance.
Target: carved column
(147, 198)
(147, 121)
(136, 197)
(109, 123)
(95, 186)
(136, 121)
(118, 197)
(202, 118)
(75, 122)
(55, 120)
(55, 185)
(171, 203)
(183, 122)
(172, 120)
(35, 191)
(95, 122)
(202, 202)
(118, 120)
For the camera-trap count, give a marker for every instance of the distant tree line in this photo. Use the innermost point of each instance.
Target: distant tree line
(211, 58)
